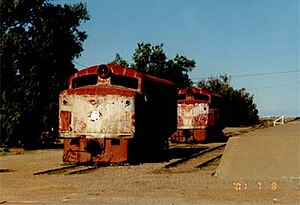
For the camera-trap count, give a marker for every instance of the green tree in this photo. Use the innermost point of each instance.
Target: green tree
(39, 40)
(238, 107)
(120, 61)
(153, 60)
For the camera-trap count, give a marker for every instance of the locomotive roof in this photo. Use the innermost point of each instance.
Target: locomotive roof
(119, 70)
(197, 90)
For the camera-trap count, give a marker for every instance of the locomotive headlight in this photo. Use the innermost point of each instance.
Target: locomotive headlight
(127, 102)
(103, 71)
(63, 99)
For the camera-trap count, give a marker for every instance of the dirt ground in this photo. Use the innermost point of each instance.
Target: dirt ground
(131, 184)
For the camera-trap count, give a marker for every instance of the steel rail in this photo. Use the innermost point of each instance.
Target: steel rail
(59, 169)
(72, 169)
(184, 159)
(209, 161)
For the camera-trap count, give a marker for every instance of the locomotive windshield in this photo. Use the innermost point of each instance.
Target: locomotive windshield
(84, 81)
(181, 97)
(124, 81)
(199, 96)
(195, 96)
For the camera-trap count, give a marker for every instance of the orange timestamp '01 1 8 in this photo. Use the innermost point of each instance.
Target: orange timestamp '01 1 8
(244, 186)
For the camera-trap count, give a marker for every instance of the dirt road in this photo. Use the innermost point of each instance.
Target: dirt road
(131, 184)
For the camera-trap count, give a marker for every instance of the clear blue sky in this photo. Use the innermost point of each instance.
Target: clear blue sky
(254, 41)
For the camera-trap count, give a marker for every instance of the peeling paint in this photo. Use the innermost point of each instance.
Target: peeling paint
(97, 115)
(192, 116)
(198, 116)
(104, 116)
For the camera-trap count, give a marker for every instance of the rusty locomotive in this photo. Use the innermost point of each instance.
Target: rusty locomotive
(198, 118)
(113, 114)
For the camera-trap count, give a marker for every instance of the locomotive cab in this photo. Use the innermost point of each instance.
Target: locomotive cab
(198, 114)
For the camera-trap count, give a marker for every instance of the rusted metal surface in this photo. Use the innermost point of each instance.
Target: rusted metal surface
(109, 112)
(97, 115)
(192, 116)
(65, 120)
(189, 136)
(95, 150)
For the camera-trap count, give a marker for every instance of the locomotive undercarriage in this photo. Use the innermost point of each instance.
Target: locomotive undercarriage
(82, 150)
(189, 136)
(205, 135)
(96, 150)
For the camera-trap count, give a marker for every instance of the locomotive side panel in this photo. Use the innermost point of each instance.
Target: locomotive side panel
(156, 112)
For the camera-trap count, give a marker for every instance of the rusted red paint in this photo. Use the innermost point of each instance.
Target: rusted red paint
(65, 120)
(192, 116)
(105, 90)
(189, 136)
(105, 150)
(200, 120)
(114, 112)
(197, 112)
(211, 117)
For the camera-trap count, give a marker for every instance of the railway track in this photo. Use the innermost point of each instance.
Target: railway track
(194, 161)
(72, 169)
(187, 163)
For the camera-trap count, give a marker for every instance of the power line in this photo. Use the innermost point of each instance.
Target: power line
(256, 74)
(275, 86)
(270, 73)
(80, 64)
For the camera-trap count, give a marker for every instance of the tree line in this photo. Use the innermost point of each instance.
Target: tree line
(39, 41)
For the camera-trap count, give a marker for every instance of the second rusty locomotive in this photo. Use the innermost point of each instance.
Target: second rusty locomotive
(199, 119)
(114, 114)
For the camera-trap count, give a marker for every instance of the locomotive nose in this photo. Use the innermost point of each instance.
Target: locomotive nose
(103, 71)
